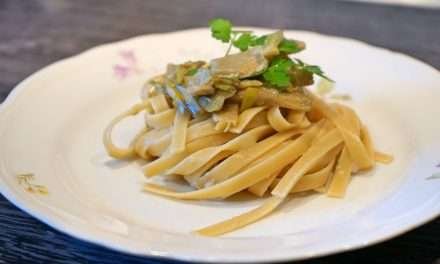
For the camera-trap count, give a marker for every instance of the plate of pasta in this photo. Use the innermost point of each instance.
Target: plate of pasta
(226, 144)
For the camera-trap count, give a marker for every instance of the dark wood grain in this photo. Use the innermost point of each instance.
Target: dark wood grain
(36, 33)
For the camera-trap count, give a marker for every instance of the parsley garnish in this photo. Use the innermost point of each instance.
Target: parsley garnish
(247, 40)
(314, 69)
(278, 73)
(244, 41)
(221, 29)
(288, 46)
(260, 41)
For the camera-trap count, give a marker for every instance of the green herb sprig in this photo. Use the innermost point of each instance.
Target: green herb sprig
(278, 73)
(314, 69)
(221, 29)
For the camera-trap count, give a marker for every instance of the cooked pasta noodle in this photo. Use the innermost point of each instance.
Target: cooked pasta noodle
(222, 141)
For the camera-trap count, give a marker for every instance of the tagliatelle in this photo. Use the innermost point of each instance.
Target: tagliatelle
(250, 176)
(198, 130)
(245, 118)
(178, 140)
(194, 178)
(277, 120)
(355, 146)
(310, 181)
(159, 103)
(246, 123)
(161, 120)
(198, 159)
(227, 118)
(342, 176)
(383, 157)
(298, 118)
(241, 159)
(112, 149)
(222, 163)
(241, 220)
(171, 159)
(311, 157)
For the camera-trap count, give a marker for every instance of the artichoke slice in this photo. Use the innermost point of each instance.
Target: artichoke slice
(215, 102)
(200, 83)
(242, 65)
(295, 100)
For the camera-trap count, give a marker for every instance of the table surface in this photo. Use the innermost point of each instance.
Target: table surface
(36, 33)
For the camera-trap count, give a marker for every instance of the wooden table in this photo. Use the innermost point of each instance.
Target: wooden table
(34, 33)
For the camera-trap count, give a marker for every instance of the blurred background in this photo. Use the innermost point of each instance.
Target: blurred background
(416, 3)
(35, 33)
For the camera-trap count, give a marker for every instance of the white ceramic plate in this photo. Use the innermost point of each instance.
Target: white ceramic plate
(51, 126)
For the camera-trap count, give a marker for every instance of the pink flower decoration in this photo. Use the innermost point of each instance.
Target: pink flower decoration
(128, 66)
(128, 56)
(121, 71)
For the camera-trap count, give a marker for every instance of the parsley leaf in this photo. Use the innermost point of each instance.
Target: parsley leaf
(300, 62)
(288, 46)
(279, 79)
(244, 41)
(283, 71)
(221, 29)
(247, 40)
(281, 63)
(278, 73)
(260, 41)
(314, 69)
